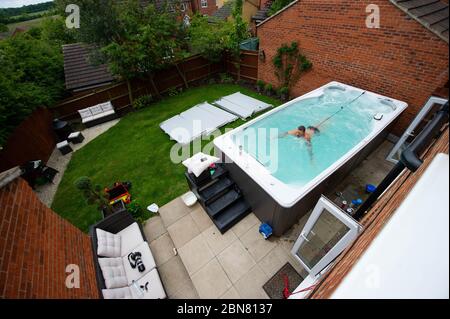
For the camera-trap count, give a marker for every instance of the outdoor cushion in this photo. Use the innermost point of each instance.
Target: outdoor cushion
(113, 272)
(147, 260)
(87, 119)
(108, 245)
(103, 114)
(155, 289)
(130, 237)
(107, 107)
(198, 163)
(96, 110)
(85, 113)
(117, 293)
(62, 144)
(74, 135)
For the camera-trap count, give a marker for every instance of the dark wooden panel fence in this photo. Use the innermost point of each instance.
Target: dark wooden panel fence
(33, 139)
(248, 66)
(193, 69)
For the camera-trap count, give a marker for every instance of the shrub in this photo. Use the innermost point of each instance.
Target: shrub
(283, 90)
(225, 78)
(260, 84)
(142, 101)
(173, 92)
(135, 209)
(269, 88)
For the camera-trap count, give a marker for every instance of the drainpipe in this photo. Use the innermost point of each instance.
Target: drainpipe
(409, 158)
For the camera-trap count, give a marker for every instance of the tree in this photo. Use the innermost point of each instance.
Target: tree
(150, 41)
(135, 41)
(3, 27)
(3, 22)
(32, 75)
(239, 34)
(240, 29)
(99, 20)
(92, 193)
(210, 39)
(277, 5)
(54, 31)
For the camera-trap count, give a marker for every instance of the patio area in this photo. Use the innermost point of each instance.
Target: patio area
(196, 261)
(47, 192)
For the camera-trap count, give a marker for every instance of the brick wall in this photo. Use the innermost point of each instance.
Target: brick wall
(209, 10)
(401, 59)
(36, 245)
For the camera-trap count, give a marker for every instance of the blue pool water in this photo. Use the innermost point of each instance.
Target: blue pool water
(289, 158)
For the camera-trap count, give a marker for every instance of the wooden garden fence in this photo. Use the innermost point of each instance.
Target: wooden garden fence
(34, 139)
(185, 73)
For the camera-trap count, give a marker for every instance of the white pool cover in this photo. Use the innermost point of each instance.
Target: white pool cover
(242, 105)
(202, 119)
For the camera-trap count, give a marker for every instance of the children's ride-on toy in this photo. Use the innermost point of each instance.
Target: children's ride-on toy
(120, 192)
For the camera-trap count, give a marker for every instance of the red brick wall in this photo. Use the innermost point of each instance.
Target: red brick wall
(212, 7)
(401, 59)
(36, 245)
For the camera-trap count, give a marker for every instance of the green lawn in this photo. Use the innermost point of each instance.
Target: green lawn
(136, 149)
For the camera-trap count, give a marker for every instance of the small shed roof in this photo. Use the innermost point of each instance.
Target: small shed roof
(433, 14)
(80, 72)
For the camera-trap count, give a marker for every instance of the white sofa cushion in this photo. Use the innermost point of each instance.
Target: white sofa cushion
(101, 115)
(108, 244)
(107, 106)
(96, 109)
(118, 293)
(154, 290)
(147, 260)
(85, 113)
(113, 272)
(130, 238)
(198, 163)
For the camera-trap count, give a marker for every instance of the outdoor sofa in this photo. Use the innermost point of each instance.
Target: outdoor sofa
(97, 114)
(113, 240)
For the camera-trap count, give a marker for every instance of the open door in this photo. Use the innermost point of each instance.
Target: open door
(328, 231)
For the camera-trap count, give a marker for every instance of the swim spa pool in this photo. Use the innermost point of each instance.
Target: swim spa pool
(283, 176)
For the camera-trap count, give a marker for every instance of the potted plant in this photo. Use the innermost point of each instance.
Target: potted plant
(269, 89)
(283, 92)
(260, 86)
(93, 194)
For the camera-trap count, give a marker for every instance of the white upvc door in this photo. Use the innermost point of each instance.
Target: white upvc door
(328, 231)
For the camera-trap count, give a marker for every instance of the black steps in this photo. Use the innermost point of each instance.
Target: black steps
(221, 198)
(232, 215)
(223, 202)
(211, 193)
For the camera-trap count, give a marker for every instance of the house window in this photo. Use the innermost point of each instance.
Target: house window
(204, 3)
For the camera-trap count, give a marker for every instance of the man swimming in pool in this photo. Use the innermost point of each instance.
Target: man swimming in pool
(305, 133)
(302, 132)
